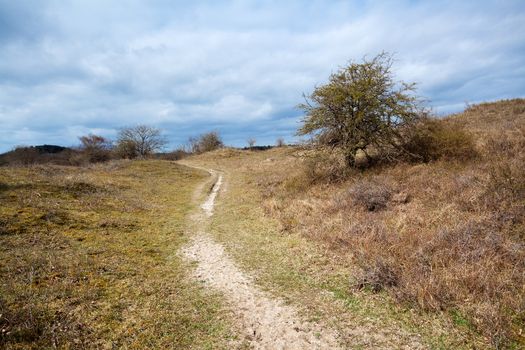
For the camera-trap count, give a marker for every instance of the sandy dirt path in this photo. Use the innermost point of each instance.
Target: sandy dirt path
(266, 321)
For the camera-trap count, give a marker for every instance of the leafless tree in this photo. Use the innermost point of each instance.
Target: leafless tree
(193, 144)
(140, 141)
(280, 142)
(96, 148)
(251, 142)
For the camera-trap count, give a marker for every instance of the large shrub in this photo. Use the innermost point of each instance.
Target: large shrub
(361, 107)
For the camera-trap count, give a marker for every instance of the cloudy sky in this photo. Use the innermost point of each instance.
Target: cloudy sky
(68, 68)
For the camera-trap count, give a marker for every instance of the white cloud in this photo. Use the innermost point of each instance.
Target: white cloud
(236, 65)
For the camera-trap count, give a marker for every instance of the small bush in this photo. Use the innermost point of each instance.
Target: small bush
(504, 195)
(433, 139)
(125, 150)
(325, 166)
(176, 154)
(206, 142)
(370, 195)
(377, 275)
(507, 182)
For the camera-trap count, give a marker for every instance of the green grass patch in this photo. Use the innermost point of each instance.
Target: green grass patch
(88, 259)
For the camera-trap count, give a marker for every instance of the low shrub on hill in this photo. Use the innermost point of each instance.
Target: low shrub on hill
(433, 139)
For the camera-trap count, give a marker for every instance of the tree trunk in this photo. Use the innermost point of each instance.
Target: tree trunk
(368, 158)
(350, 159)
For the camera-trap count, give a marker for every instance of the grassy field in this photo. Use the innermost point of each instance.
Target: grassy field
(88, 259)
(435, 249)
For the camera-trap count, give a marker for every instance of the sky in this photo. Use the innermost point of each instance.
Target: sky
(70, 68)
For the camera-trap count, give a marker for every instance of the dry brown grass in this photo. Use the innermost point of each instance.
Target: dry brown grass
(447, 235)
(434, 139)
(88, 259)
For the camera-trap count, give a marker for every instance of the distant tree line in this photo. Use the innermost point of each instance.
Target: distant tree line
(135, 142)
(139, 141)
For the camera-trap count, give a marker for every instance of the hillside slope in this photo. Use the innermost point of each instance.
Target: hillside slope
(445, 238)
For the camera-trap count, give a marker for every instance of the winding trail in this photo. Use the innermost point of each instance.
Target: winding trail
(266, 321)
(207, 206)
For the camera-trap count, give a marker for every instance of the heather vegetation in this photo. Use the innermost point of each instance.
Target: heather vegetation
(442, 234)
